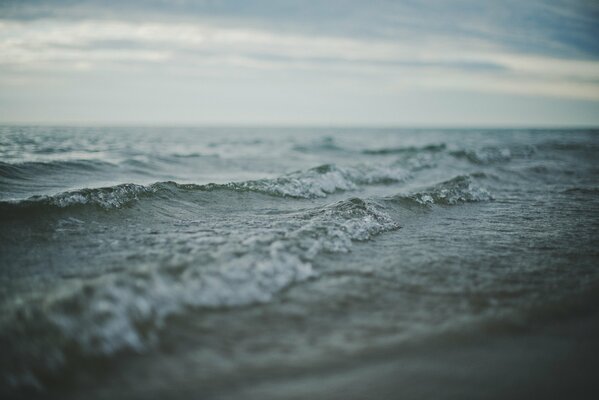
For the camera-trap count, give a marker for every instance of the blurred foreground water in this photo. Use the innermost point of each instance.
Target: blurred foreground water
(298, 263)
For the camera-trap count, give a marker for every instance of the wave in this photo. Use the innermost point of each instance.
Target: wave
(582, 190)
(321, 181)
(107, 198)
(487, 155)
(31, 169)
(585, 146)
(326, 143)
(431, 148)
(312, 183)
(193, 154)
(125, 311)
(461, 189)
(493, 154)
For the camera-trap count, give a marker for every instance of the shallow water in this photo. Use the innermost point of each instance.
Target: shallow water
(208, 258)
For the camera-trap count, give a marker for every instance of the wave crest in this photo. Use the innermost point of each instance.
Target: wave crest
(431, 148)
(460, 189)
(320, 181)
(315, 182)
(125, 310)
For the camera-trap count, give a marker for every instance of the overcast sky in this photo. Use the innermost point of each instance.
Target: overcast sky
(337, 62)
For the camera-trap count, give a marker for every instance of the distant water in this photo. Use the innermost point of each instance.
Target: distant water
(209, 257)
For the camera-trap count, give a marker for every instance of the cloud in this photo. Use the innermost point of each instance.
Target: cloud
(97, 44)
(347, 49)
(557, 27)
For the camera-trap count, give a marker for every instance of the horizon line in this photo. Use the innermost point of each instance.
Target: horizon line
(448, 126)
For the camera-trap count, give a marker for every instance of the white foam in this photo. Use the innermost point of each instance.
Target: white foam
(110, 197)
(457, 190)
(324, 180)
(126, 310)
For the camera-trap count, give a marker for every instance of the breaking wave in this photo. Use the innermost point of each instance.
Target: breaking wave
(461, 189)
(312, 183)
(125, 311)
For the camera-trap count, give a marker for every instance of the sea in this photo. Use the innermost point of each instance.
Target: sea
(292, 263)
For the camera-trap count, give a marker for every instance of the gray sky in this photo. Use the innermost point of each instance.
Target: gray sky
(411, 63)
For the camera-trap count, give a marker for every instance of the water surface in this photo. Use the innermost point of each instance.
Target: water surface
(151, 262)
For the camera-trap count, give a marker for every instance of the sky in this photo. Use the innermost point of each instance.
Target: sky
(471, 63)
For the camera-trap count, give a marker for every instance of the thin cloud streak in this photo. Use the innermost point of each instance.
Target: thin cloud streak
(82, 45)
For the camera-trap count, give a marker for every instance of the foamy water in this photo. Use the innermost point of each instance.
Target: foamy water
(230, 251)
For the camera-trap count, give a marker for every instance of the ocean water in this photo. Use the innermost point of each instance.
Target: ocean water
(207, 262)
